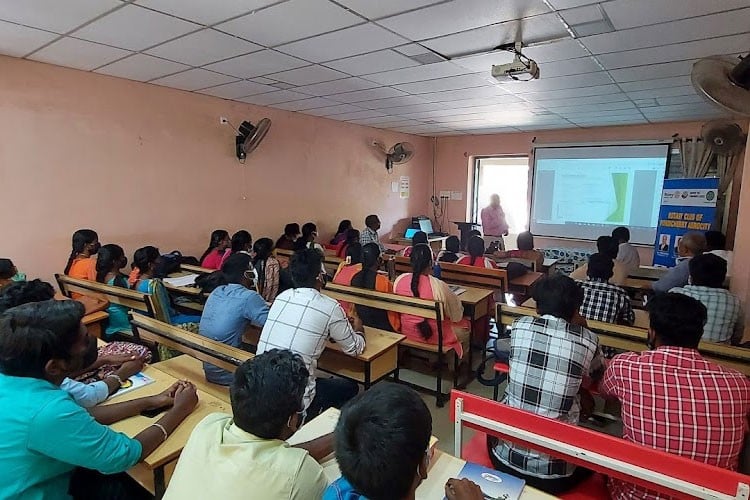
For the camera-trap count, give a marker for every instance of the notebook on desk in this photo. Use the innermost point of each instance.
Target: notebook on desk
(456, 289)
(494, 485)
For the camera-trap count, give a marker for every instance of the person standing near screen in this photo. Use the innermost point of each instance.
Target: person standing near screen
(494, 224)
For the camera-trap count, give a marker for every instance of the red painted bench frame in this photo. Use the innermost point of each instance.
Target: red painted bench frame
(654, 469)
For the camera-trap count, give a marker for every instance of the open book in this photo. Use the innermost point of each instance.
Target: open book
(135, 382)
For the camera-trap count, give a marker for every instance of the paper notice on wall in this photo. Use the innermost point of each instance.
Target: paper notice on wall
(404, 187)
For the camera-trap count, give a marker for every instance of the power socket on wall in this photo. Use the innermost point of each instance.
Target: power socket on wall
(446, 195)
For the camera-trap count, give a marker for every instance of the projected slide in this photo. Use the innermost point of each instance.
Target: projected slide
(584, 192)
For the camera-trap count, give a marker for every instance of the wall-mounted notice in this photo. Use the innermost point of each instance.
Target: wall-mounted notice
(404, 187)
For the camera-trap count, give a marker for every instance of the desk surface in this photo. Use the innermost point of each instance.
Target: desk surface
(186, 290)
(649, 272)
(638, 283)
(171, 448)
(473, 296)
(376, 343)
(527, 279)
(186, 367)
(549, 262)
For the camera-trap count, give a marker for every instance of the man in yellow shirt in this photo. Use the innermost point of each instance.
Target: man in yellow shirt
(247, 456)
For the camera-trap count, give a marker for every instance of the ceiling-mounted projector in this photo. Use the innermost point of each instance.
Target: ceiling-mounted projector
(521, 69)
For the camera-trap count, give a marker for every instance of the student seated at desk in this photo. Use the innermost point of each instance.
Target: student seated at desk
(476, 256)
(606, 245)
(111, 260)
(419, 238)
(716, 243)
(82, 263)
(452, 250)
(421, 284)
(370, 233)
(286, 240)
(46, 435)
(371, 279)
(245, 455)
(9, 273)
(303, 320)
(217, 251)
(691, 245)
(549, 357)
(387, 429)
(526, 251)
(725, 321)
(352, 237)
(230, 309)
(341, 233)
(675, 400)
(601, 300)
(626, 253)
(349, 267)
(307, 240)
(267, 269)
(242, 242)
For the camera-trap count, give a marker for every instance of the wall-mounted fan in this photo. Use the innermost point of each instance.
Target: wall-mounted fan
(725, 82)
(401, 152)
(250, 136)
(723, 137)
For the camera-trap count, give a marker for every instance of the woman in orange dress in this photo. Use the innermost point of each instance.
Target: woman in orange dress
(82, 260)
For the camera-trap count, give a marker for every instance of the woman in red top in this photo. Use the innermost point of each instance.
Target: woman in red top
(218, 247)
(476, 256)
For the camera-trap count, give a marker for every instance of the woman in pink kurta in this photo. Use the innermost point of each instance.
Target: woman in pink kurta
(428, 287)
(476, 256)
(217, 250)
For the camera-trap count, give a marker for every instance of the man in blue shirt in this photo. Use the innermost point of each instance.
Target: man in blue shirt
(230, 309)
(691, 245)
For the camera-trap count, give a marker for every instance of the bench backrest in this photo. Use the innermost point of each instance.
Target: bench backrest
(424, 308)
(114, 294)
(196, 269)
(630, 338)
(654, 469)
(479, 277)
(330, 262)
(208, 350)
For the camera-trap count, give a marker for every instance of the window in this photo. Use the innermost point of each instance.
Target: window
(507, 176)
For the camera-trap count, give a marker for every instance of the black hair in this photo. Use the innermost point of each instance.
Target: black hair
(715, 240)
(344, 226)
(708, 270)
(676, 319)
(305, 266)
(421, 259)
(110, 256)
(6, 269)
(34, 333)
(354, 252)
(558, 296)
(24, 292)
(208, 282)
(144, 257)
(621, 234)
(476, 248)
(370, 260)
(235, 266)
(352, 236)
(475, 232)
(308, 229)
(608, 246)
(453, 244)
(525, 241)
(263, 249)
(381, 439)
(241, 240)
(419, 238)
(81, 238)
(291, 229)
(266, 391)
(600, 267)
(217, 237)
(371, 220)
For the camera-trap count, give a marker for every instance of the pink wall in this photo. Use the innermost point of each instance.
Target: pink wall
(144, 164)
(454, 161)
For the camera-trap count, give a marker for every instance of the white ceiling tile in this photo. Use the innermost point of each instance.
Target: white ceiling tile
(662, 92)
(675, 81)
(585, 108)
(305, 104)
(569, 67)
(367, 95)
(288, 21)
(257, 64)
(376, 120)
(563, 102)
(141, 67)
(652, 71)
(535, 29)
(263, 80)
(679, 108)
(205, 12)
(204, 47)
(118, 28)
(235, 90)
(393, 102)
(681, 99)
(418, 73)
(17, 41)
(556, 51)
(411, 49)
(441, 84)
(686, 30)
(54, 15)
(375, 62)
(337, 86)
(398, 123)
(632, 13)
(617, 114)
(333, 110)
(194, 79)
(274, 97)
(382, 8)
(308, 75)
(78, 54)
(343, 43)
(459, 15)
(490, 91)
(569, 4)
(582, 15)
(569, 93)
(411, 108)
(676, 52)
(359, 115)
(559, 83)
(483, 62)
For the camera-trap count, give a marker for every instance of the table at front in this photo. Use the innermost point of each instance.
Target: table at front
(169, 450)
(437, 243)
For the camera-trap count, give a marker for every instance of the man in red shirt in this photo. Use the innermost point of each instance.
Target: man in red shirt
(673, 399)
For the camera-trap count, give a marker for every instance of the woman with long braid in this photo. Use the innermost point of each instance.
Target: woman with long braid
(82, 263)
(420, 283)
(369, 278)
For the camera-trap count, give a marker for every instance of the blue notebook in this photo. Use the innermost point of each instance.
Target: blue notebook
(495, 485)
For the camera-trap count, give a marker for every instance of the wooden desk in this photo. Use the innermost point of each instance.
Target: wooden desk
(170, 449)
(548, 266)
(95, 310)
(186, 367)
(476, 301)
(527, 280)
(190, 291)
(437, 243)
(637, 284)
(650, 273)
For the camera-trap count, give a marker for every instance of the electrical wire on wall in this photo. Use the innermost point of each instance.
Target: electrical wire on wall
(438, 205)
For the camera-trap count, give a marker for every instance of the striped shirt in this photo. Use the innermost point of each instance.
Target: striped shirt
(725, 320)
(605, 302)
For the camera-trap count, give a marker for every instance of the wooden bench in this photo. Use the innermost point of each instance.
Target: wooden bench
(330, 262)
(653, 469)
(429, 309)
(629, 338)
(492, 279)
(196, 269)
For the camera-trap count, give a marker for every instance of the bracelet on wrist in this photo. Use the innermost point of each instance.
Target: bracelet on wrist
(161, 427)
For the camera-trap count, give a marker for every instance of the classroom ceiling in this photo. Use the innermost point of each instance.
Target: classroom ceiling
(416, 66)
